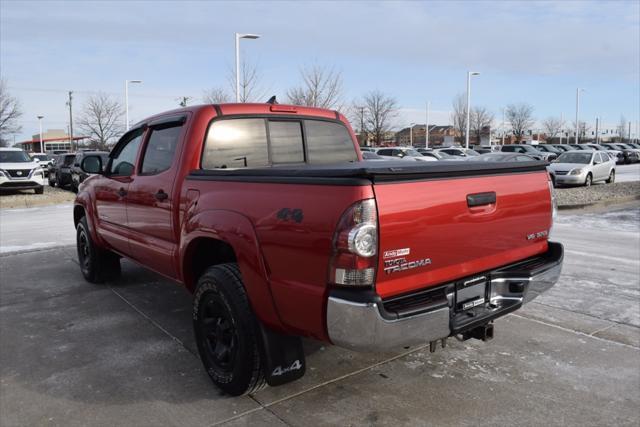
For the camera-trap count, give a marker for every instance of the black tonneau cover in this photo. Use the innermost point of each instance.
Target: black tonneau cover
(365, 172)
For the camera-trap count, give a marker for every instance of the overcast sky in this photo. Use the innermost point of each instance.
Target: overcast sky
(535, 52)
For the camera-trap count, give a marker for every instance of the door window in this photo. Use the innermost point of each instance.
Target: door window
(160, 150)
(123, 159)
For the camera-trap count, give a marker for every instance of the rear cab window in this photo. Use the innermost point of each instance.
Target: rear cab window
(271, 141)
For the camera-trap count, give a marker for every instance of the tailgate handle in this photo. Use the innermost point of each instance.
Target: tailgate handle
(480, 199)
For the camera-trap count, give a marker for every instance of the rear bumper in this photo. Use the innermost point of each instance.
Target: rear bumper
(362, 321)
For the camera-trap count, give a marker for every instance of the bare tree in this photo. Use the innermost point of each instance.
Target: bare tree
(552, 126)
(583, 129)
(10, 112)
(480, 118)
(216, 95)
(459, 115)
(184, 101)
(321, 88)
(520, 116)
(622, 128)
(251, 88)
(101, 119)
(380, 109)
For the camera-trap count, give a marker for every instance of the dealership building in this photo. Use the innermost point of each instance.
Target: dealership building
(54, 140)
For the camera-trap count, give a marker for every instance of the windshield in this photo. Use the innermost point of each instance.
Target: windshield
(529, 149)
(14, 157)
(412, 153)
(582, 158)
(443, 155)
(488, 158)
(471, 152)
(41, 157)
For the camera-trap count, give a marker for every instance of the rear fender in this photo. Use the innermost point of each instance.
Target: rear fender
(237, 231)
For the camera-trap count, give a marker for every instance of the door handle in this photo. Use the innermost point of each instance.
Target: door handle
(481, 199)
(161, 195)
(122, 192)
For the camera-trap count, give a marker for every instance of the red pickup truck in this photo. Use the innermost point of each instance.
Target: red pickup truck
(268, 215)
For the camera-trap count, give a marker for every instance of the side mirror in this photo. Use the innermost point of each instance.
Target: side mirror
(92, 165)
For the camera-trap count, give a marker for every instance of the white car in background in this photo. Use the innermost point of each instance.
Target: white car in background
(44, 159)
(18, 171)
(404, 153)
(581, 167)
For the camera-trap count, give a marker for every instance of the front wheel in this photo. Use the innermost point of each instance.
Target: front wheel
(96, 264)
(612, 177)
(39, 190)
(588, 181)
(226, 331)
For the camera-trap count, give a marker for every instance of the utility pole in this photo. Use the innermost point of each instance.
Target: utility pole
(504, 127)
(597, 119)
(69, 103)
(629, 130)
(426, 128)
(578, 90)
(561, 126)
(362, 132)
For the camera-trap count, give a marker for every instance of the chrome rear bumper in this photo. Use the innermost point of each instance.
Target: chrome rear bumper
(360, 321)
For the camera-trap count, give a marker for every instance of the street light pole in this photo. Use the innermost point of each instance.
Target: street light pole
(426, 128)
(126, 101)
(578, 90)
(411, 134)
(504, 125)
(466, 135)
(561, 126)
(238, 37)
(41, 140)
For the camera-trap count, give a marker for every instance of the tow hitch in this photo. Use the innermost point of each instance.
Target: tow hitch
(484, 333)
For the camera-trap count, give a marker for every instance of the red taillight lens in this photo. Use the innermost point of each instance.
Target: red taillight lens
(355, 246)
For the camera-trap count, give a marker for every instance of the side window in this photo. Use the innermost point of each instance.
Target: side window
(328, 142)
(286, 142)
(236, 143)
(384, 152)
(158, 155)
(123, 161)
(508, 149)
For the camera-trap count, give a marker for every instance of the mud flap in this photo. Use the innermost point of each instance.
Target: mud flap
(283, 356)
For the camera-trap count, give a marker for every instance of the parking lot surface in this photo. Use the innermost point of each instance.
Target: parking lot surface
(72, 353)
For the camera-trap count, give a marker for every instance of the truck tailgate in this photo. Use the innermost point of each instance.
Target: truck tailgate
(434, 231)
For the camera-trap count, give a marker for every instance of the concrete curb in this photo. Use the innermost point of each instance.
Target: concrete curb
(601, 203)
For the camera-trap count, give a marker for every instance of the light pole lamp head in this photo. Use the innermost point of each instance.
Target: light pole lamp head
(40, 117)
(474, 73)
(134, 81)
(247, 36)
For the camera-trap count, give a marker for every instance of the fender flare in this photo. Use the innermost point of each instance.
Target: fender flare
(84, 201)
(238, 232)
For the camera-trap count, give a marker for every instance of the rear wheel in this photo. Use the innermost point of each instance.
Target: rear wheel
(612, 177)
(96, 264)
(588, 181)
(52, 182)
(226, 331)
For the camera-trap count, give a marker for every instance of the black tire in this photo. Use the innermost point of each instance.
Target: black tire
(588, 180)
(226, 331)
(97, 265)
(612, 177)
(52, 183)
(39, 190)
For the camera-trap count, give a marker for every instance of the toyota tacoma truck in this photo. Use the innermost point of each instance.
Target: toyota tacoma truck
(268, 215)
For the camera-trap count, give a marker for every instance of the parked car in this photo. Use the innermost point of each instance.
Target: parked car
(511, 157)
(482, 149)
(369, 155)
(281, 234)
(616, 155)
(530, 150)
(562, 147)
(18, 171)
(370, 149)
(631, 155)
(548, 148)
(436, 154)
(60, 170)
(77, 174)
(44, 160)
(584, 168)
(404, 152)
(457, 152)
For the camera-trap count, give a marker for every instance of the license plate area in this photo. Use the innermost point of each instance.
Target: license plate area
(471, 293)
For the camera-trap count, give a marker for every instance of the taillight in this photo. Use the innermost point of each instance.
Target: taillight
(554, 204)
(355, 246)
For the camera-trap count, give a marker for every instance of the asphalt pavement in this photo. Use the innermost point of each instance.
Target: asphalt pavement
(73, 354)
(626, 173)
